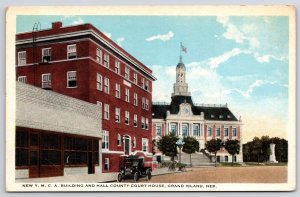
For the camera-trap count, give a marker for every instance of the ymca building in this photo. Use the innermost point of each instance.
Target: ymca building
(81, 62)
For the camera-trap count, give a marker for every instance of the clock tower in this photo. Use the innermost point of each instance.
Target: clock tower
(181, 87)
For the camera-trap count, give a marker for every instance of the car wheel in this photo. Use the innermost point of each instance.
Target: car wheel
(149, 175)
(120, 177)
(136, 177)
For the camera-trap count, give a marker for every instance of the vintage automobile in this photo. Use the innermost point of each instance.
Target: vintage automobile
(133, 167)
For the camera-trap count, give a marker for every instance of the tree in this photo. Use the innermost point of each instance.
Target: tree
(191, 145)
(256, 148)
(246, 152)
(213, 146)
(232, 147)
(167, 145)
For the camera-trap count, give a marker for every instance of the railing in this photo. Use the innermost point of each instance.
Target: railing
(211, 105)
(160, 103)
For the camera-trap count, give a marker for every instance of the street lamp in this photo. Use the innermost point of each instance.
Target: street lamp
(180, 144)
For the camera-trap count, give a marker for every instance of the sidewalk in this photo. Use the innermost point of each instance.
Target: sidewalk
(89, 178)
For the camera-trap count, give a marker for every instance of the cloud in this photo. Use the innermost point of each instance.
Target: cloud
(232, 32)
(107, 34)
(266, 58)
(78, 21)
(163, 37)
(214, 62)
(250, 90)
(120, 40)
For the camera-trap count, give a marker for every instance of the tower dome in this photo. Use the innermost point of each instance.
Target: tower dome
(180, 64)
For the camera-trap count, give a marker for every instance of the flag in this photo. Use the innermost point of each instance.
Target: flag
(184, 49)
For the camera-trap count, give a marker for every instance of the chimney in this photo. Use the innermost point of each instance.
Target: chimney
(56, 25)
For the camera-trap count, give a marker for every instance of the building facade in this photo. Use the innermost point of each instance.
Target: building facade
(56, 135)
(204, 122)
(81, 62)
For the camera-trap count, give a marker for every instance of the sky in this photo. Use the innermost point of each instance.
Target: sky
(238, 60)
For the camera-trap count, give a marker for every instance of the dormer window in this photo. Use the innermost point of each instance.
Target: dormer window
(212, 116)
(220, 116)
(228, 116)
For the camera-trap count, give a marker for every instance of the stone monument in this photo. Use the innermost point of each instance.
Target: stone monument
(272, 158)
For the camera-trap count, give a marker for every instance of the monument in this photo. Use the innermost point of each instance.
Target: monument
(272, 158)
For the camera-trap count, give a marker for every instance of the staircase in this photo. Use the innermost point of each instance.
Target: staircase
(198, 160)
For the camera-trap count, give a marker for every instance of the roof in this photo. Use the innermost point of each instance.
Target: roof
(46, 110)
(214, 112)
(180, 64)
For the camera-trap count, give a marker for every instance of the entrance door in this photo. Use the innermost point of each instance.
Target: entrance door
(34, 167)
(127, 146)
(91, 165)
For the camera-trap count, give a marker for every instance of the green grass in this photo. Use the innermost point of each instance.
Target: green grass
(229, 164)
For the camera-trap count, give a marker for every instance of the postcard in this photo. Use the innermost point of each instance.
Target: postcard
(151, 98)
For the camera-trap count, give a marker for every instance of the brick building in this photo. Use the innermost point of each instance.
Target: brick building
(56, 135)
(183, 117)
(81, 62)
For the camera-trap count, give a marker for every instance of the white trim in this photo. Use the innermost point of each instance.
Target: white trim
(24, 60)
(22, 79)
(43, 49)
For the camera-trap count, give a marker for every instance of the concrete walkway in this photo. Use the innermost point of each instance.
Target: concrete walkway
(88, 178)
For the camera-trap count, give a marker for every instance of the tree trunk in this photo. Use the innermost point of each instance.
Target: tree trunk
(215, 159)
(232, 160)
(191, 160)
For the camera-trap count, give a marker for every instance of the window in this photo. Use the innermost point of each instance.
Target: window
(158, 130)
(106, 85)
(196, 130)
(234, 132)
(99, 55)
(143, 83)
(218, 132)
(46, 81)
(46, 55)
(135, 99)
(119, 140)
(234, 159)
(127, 117)
(226, 158)
(106, 111)
(185, 130)
(22, 79)
(127, 95)
(135, 78)
(72, 79)
(21, 58)
(143, 123)
(135, 120)
(118, 91)
(143, 103)
(134, 142)
(106, 164)
(147, 85)
(99, 82)
(106, 60)
(72, 51)
(209, 132)
(127, 72)
(174, 128)
(147, 123)
(117, 119)
(226, 132)
(145, 144)
(117, 67)
(22, 148)
(147, 104)
(105, 140)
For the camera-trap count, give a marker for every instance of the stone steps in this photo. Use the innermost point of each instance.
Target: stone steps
(198, 159)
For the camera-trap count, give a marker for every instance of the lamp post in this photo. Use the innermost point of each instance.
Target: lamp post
(180, 144)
